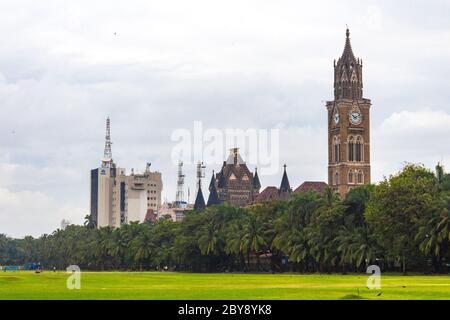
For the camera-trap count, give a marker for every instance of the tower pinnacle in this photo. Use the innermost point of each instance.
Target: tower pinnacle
(348, 82)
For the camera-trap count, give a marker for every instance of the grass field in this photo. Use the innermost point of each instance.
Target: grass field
(157, 285)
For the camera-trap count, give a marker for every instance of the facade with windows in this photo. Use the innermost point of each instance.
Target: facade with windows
(118, 198)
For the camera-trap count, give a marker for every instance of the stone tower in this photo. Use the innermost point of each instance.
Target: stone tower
(348, 125)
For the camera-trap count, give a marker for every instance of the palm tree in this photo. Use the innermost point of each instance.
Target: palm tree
(103, 245)
(233, 240)
(434, 237)
(118, 246)
(142, 246)
(253, 237)
(89, 221)
(209, 239)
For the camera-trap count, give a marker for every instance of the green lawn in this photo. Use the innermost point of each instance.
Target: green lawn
(158, 285)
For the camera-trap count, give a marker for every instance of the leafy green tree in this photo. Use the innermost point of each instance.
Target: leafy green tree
(396, 210)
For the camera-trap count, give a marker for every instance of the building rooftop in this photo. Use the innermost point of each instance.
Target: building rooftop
(269, 193)
(307, 186)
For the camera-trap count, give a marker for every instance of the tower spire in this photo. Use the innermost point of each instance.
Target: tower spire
(285, 188)
(199, 199)
(348, 55)
(107, 154)
(348, 82)
(213, 198)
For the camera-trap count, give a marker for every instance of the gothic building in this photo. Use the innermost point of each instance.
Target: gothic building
(235, 183)
(348, 125)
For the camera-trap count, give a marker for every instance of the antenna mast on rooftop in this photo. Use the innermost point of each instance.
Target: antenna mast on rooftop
(107, 155)
(200, 175)
(180, 185)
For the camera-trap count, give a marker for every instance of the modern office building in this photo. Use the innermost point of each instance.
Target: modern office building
(118, 198)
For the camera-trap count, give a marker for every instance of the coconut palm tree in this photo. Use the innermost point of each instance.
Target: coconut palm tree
(142, 246)
(253, 237)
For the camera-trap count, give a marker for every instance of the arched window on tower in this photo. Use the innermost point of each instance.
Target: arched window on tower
(350, 176)
(351, 148)
(359, 149)
(336, 149)
(336, 178)
(360, 177)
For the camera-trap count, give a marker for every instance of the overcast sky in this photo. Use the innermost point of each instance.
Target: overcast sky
(157, 66)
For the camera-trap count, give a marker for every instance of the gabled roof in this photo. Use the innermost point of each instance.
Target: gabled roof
(307, 186)
(269, 193)
(285, 186)
(231, 172)
(199, 200)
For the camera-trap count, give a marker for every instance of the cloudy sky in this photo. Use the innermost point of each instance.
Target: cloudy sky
(157, 66)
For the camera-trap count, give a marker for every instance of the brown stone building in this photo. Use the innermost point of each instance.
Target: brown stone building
(348, 125)
(235, 183)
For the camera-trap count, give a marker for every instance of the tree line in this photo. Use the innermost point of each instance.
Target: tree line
(401, 224)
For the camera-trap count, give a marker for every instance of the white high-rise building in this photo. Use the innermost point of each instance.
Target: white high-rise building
(118, 198)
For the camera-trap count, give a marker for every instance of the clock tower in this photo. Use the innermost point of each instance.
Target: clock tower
(348, 125)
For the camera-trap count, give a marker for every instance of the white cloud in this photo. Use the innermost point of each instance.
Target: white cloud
(157, 66)
(422, 122)
(411, 136)
(32, 213)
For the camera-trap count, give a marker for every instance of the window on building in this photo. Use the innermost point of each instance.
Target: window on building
(336, 149)
(359, 149)
(360, 177)
(350, 176)
(351, 148)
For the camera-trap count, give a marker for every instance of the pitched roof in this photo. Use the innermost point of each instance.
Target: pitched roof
(256, 183)
(239, 171)
(317, 186)
(213, 198)
(285, 186)
(221, 183)
(269, 193)
(199, 200)
(212, 183)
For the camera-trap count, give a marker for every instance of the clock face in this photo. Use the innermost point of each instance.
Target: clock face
(355, 117)
(336, 118)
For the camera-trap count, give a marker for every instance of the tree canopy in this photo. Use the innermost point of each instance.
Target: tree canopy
(401, 224)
